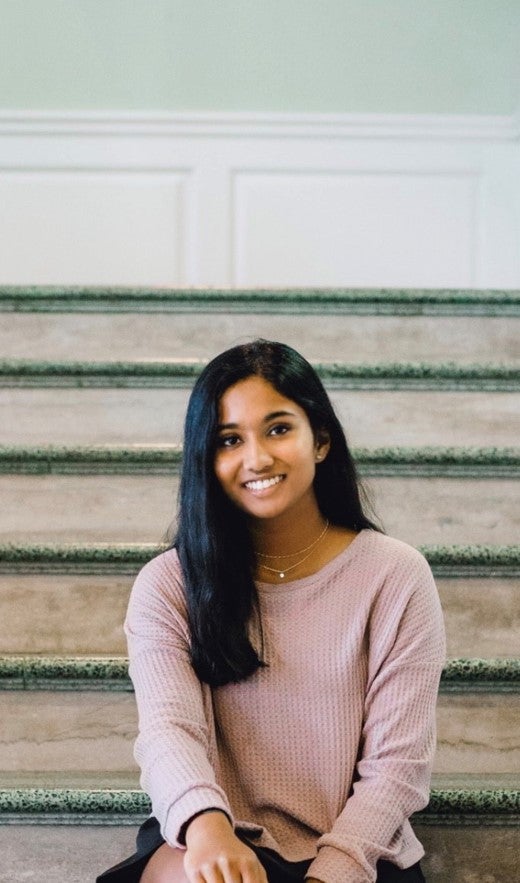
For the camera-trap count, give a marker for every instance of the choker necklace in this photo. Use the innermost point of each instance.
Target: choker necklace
(281, 573)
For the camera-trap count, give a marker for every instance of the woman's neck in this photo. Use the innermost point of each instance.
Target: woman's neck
(289, 533)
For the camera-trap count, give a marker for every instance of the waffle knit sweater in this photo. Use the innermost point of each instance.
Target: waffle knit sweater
(327, 751)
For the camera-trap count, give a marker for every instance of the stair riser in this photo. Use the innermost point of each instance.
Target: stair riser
(123, 508)
(82, 615)
(477, 733)
(63, 615)
(69, 854)
(96, 730)
(482, 617)
(454, 854)
(67, 731)
(464, 854)
(165, 336)
(371, 417)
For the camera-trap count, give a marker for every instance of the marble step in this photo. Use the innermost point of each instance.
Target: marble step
(379, 417)
(378, 338)
(167, 459)
(483, 561)
(181, 373)
(249, 301)
(469, 831)
(83, 613)
(140, 508)
(65, 674)
(79, 714)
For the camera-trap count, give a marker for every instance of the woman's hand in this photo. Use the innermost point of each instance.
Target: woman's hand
(214, 853)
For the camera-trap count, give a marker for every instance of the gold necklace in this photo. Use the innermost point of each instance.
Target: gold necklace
(298, 551)
(281, 573)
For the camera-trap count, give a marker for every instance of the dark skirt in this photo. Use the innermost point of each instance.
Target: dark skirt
(278, 869)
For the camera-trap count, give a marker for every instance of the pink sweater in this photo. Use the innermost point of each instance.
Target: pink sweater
(326, 752)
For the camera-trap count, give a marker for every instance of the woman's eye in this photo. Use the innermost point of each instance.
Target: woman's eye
(228, 441)
(279, 429)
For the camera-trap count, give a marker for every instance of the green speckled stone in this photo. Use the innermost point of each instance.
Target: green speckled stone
(26, 368)
(103, 673)
(459, 561)
(62, 673)
(328, 371)
(43, 800)
(465, 561)
(113, 553)
(155, 459)
(499, 806)
(121, 559)
(482, 670)
(396, 301)
(170, 375)
(442, 455)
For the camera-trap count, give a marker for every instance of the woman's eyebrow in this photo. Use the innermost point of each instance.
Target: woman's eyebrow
(273, 415)
(222, 426)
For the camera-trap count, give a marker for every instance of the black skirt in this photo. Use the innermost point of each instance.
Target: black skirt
(278, 869)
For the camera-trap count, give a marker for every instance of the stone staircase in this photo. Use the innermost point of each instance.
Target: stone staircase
(93, 385)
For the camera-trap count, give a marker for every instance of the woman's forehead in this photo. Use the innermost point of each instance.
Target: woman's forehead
(254, 396)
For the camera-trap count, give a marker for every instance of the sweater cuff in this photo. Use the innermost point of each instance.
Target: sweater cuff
(333, 866)
(195, 800)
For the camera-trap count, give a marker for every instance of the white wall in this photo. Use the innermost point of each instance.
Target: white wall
(260, 200)
(305, 56)
(156, 143)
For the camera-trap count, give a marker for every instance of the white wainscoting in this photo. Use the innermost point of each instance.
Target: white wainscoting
(259, 200)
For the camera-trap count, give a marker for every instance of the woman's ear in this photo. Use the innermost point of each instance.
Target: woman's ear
(322, 446)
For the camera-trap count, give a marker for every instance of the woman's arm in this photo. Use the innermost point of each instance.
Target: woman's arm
(398, 741)
(173, 745)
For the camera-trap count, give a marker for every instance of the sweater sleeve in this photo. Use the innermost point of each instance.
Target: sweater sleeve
(173, 742)
(406, 655)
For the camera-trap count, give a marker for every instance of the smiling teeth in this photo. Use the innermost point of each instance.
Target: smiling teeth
(260, 485)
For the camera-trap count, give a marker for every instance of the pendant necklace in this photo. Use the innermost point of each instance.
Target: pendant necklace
(281, 573)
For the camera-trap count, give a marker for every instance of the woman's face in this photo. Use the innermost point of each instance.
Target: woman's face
(266, 450)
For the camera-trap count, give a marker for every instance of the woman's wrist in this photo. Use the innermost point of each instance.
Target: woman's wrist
(206, 821)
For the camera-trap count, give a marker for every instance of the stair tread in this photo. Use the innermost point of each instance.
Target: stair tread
(29, 672)
(349, 300)
(181, 373)
(152, 458)
(488, 800)
(485, 561)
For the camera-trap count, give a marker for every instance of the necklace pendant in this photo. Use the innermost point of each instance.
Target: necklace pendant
(282, 575)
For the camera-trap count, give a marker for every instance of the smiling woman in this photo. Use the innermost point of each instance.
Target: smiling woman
(285, 654)
(267, 453)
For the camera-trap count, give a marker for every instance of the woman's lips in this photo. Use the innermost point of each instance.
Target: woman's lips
(262, 484)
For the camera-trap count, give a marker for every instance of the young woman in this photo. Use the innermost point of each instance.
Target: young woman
(285, 653)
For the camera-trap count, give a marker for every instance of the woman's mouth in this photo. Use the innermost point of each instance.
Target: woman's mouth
(264, 483)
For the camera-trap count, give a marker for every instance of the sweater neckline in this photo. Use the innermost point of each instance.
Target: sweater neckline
(327, 570)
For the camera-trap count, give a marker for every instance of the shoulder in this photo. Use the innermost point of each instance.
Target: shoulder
(165, 565)
(159, 588)
(387, 555)
(394, 570)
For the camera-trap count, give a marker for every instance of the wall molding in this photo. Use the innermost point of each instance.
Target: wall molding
(472, 127)
(259, 200)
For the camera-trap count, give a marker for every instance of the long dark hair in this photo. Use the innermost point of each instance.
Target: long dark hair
(213, 540)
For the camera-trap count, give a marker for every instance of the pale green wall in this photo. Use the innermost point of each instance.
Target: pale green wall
(404, 56)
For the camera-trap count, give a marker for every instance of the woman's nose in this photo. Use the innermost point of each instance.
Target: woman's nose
(256, 456)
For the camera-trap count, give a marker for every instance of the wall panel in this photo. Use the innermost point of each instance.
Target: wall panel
(260, 200)
(356, 229)
(92, 227)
